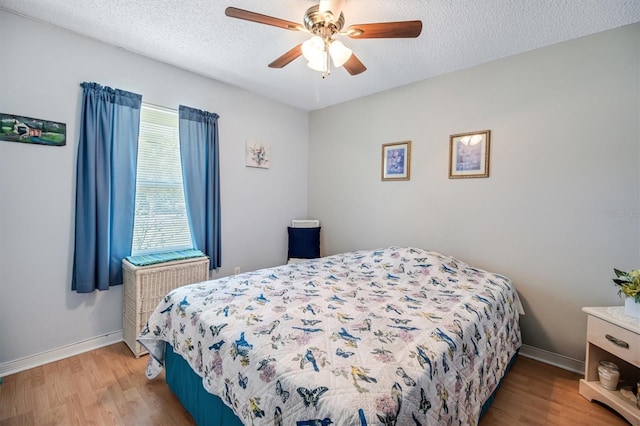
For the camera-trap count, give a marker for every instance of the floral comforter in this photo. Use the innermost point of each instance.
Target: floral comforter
(399, 336)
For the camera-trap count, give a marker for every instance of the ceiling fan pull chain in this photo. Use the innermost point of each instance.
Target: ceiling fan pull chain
(327, 60)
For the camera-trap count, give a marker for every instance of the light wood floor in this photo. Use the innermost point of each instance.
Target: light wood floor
(107, 386)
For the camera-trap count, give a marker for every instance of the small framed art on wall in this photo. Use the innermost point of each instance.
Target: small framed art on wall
(396, 161)
(469, 155)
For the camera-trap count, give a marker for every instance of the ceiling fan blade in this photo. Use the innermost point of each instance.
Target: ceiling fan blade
(354, 66)
(284, 60)
(234, 12)
(402, 29)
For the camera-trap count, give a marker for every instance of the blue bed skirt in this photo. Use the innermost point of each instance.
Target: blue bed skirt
(209, 410)
(205, 408)
(489, 401)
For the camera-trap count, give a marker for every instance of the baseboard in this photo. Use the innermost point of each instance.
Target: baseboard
(57, 354)
(552, 358)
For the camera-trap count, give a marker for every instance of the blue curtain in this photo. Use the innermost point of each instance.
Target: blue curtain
(105, 186)
(201, 177)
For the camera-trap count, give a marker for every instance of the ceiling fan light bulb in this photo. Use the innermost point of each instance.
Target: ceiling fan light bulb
(339, 53)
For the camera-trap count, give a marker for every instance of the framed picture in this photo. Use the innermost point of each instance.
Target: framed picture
(16, 128)
(396, 161)
(258, 155)
(469, 155)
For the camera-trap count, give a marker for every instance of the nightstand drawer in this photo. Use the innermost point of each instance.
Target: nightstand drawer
(622, 343)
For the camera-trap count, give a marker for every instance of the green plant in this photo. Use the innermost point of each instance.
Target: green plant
(629, 283)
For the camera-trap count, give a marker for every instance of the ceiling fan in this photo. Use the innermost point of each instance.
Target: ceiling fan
(325, 21)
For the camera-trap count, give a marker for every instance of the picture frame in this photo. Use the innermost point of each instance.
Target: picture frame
(35, 131)
(257, 154)
(469, 155)
(396, 161)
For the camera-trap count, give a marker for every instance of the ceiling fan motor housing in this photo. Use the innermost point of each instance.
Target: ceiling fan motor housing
(322, 24)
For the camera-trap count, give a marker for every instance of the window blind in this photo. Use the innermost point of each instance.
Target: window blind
(161, 222)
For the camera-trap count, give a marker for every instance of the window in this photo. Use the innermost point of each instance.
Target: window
(161, 222)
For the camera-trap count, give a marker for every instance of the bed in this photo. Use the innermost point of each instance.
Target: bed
(396, 336)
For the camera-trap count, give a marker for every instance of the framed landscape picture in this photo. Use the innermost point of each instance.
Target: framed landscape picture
(16, 128)
(469, 155)
(396, 161)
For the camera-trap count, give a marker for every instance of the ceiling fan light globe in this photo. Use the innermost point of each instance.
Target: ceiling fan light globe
(318, 65)
(339, 53)
(312, 49)
(334, 7)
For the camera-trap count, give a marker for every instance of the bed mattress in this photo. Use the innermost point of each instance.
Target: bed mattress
(391, 336)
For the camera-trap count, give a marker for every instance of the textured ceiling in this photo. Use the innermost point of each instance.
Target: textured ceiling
(197, 36)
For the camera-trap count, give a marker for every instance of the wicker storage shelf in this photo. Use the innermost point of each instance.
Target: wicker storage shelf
(145, 286)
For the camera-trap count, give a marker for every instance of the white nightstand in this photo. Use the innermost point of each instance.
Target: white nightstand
(612, 336)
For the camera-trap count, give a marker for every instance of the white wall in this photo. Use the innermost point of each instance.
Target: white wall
(564, 124)
(41, 68)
